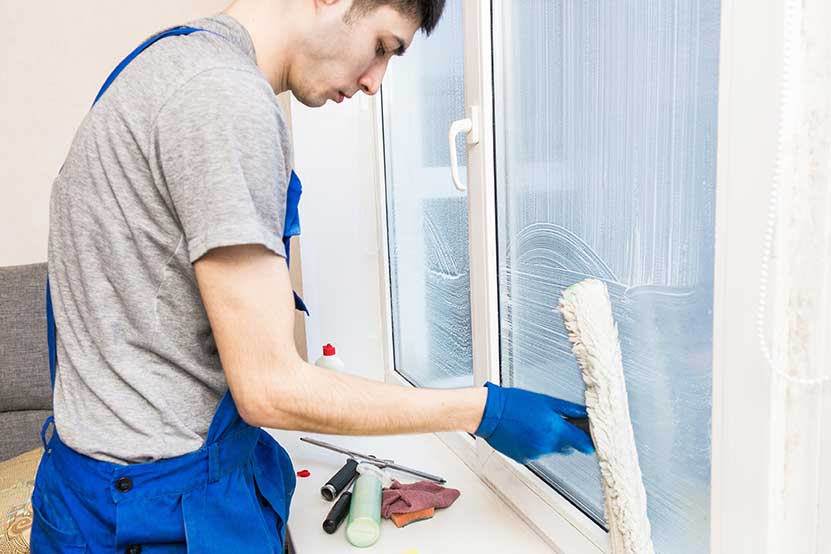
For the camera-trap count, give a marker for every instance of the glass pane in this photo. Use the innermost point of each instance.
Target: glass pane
(606, 149)
(423, 94)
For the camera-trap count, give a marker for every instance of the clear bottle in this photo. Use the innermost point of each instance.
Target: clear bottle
(329, 360)
(363, 526)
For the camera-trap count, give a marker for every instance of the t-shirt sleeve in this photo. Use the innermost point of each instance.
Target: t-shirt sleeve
(221, 147)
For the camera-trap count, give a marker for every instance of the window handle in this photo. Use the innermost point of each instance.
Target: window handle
(470, 126)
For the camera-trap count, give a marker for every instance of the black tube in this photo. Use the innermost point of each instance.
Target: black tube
(339, 480)
(338, 513)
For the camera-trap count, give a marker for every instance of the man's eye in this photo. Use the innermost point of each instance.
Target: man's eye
(380, 50)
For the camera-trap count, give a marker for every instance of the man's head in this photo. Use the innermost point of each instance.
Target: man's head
(348, 44)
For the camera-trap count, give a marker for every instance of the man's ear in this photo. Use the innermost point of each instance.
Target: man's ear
(342, 5)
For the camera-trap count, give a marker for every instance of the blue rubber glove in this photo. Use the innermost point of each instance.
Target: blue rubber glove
(525, 425)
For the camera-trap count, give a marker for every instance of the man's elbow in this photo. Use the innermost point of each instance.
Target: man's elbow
(254, 412)
(265, 406)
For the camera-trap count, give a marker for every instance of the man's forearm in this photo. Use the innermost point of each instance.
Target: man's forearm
(309, 398)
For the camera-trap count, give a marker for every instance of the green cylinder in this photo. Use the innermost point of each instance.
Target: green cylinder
(363, 526)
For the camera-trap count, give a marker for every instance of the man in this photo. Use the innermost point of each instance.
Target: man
(170, 307)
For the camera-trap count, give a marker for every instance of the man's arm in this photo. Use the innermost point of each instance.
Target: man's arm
(248, 298)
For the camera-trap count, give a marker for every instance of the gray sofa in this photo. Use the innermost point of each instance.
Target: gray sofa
(25, 391)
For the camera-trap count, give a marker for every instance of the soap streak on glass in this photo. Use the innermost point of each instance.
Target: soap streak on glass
(422, 95)
(606, 162)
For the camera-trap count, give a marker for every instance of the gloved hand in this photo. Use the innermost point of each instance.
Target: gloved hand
(525, 425)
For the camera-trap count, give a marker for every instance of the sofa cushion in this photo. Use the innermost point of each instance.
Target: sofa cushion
(17, 480)
(24, 353)
(20, 431)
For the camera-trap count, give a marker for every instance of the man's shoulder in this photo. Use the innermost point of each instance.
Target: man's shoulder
(205, 70)
(220, 92)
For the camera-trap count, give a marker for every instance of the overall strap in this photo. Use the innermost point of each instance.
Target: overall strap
(291, 227)
(184, 30)
(53, 357)
(50, 334)
(50, 316)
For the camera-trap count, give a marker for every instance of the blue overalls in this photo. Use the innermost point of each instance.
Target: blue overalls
(232, 495)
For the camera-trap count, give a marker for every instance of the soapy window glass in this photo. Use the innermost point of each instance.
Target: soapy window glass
(423, 93)
(606, 119)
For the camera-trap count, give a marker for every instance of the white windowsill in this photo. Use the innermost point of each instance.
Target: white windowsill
(479, 521)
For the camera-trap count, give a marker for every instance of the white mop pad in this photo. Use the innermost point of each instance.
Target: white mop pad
(587, 314)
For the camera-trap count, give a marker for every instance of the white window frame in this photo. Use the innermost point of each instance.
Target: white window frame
(741, 402)
(558, 522)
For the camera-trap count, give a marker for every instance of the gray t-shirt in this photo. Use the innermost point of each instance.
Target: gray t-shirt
(186, 151)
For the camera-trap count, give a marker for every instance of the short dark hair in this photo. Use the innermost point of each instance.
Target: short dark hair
(427, 12)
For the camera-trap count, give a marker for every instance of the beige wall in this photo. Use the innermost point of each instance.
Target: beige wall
(53, 58)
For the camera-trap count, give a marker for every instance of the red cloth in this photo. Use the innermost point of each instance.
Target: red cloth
(412, 497)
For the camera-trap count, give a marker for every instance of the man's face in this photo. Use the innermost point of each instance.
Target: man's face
(342, 57)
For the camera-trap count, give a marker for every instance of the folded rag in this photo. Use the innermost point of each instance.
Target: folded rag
(413, 497)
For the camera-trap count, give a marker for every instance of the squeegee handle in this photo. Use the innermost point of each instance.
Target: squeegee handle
(581, 423)
(339, 480)
(338, 513)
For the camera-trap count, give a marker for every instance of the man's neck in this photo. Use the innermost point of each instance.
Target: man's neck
(272, 27)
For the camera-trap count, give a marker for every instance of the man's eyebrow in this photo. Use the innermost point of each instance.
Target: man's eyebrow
(401, 48)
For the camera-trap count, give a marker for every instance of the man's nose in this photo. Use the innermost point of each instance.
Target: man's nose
(370, 81)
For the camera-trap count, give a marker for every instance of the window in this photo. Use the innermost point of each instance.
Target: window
(599, 159)
(606, 125)
(427, 218)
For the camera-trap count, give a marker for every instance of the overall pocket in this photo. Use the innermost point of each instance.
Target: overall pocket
(274, 482)
(52, 533)
(271, 517)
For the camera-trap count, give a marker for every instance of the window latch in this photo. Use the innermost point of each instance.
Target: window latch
(469, 126)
